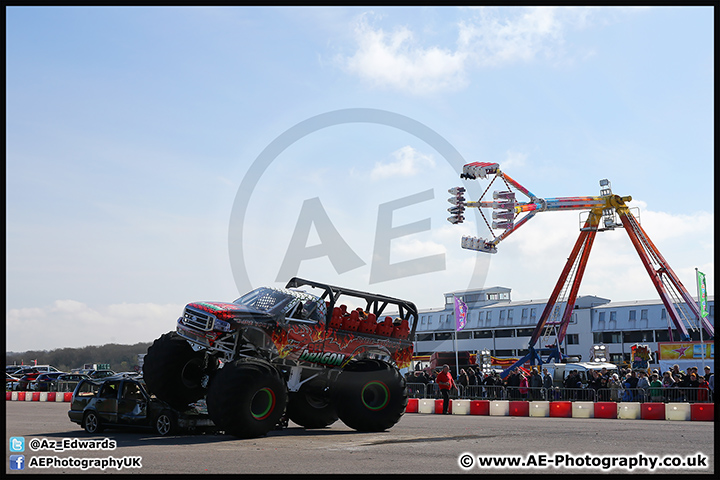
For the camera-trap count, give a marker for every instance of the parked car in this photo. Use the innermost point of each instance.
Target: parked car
(68, 381)
(11, 382)
(46, 369)
(46, 381)
(123, 401)
(101, 373)
(27, 381)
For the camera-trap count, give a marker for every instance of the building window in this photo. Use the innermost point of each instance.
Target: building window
(663, 314)
(573, 339)
(532, 314)
(510, 317)
(429, 319)
(443, 336)
(525, 332)
(504, 353)
(504, 333)
(613, 316)
(643, 314)
(524, 313)
(422, 320)
(662, 336)
(442, 318)
(481, 315)
(464, 335)
(601, 316)
(631, 315)
(482, 334)
(424, 337)
(573, 318)
(502, 315)
(489, 317)
(616, 358)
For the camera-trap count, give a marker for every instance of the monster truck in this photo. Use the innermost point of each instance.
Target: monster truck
(279, 353)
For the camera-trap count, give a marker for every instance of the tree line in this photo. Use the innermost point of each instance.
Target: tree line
(122, 358)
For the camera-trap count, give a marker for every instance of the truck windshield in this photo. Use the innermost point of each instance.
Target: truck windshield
(266, 300)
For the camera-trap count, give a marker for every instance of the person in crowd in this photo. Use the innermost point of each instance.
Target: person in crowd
(667, 383)
(633, 381)
(535, 383)
(627, 395)
(547, 383)
(472, 377)
(676, 371)
(594, 384)
(572, 385)
(445, 383)
(642, 385)
(693, 384)
(493, 385)
(703, 387)
(512, 383)
(523, 386)
(615, 387)
(655, 390)
(604, 379)
(463, 379)
(708, 373)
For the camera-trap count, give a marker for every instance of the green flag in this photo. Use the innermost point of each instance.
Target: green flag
(702, 294)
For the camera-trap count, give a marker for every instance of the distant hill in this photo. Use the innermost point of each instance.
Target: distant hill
(122, 358)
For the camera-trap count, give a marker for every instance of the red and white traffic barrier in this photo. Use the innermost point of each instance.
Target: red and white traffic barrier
(567, 409)
(38, 396)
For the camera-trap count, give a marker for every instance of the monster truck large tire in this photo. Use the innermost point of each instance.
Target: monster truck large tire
(311, 407)
(370, 395)
(173, 370)
(246, 398)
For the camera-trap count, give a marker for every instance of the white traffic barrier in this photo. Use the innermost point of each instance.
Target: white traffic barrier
(499, 407)
(539, 408)
(629, 410)
(583, 410)
(426, 405)
(678, 411)
(460, 407)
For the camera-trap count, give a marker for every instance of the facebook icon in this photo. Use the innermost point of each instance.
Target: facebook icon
(17, 462)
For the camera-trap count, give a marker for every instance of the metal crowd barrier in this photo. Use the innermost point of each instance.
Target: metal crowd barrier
(498, 392)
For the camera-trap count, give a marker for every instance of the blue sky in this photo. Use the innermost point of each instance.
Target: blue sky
(130, 131)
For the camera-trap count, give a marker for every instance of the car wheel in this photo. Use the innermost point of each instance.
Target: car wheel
(370, 395)
(310, 408)
(165, 423)
(173, 371)
(246, 398)
(91, 423)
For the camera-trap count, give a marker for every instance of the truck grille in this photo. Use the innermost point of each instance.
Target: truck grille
(199, 320)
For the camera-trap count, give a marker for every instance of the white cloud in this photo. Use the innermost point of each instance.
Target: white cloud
(396, 60)
(407, 162)
(69, 323)
(489, 37)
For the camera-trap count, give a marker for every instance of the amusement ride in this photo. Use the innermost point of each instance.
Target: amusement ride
(509, 214)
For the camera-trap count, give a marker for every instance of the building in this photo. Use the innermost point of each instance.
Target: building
(497, 323)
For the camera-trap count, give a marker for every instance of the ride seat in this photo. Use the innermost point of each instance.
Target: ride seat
(385, 328)
(352, 321)
(336, 320)
(402, 330)
(369, 324)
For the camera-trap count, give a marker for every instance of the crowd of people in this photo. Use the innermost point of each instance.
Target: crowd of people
(627, 385)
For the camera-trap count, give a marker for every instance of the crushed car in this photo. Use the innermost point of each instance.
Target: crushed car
(123, 401)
